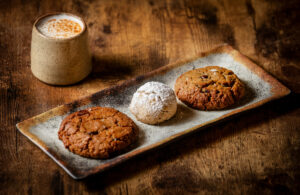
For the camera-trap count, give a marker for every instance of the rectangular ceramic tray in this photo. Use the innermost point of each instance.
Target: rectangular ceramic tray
(261, 88)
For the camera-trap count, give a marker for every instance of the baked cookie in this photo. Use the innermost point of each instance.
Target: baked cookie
(153, 103)
(97, 132)
(209, 88)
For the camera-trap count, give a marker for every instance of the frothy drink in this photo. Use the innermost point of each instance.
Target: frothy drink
(60, 26)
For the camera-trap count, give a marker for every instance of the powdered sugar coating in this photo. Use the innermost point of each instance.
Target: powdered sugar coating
(153, 103)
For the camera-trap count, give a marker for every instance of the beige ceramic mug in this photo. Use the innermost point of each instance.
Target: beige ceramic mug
(59, 49)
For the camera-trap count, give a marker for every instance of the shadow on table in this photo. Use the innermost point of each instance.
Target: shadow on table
(110, 69)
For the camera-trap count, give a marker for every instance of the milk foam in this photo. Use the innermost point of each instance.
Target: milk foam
(60, 26)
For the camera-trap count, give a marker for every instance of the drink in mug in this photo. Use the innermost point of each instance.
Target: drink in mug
(59, 49)
(60, 26)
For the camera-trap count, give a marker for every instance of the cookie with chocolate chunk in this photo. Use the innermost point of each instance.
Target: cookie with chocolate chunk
(97, 132)
(209, 88)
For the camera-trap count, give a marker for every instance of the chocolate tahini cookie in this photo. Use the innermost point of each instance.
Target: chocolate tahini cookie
(97, 132)
(209, 88)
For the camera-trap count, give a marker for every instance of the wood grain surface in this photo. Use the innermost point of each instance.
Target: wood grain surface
(257, 152)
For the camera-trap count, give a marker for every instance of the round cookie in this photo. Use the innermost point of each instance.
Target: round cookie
(153, 103)
(97, 132)
(209, 88)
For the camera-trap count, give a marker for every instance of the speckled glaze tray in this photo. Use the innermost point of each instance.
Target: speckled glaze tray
(261, 88)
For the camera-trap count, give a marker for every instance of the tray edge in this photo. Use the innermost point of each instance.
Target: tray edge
(278, 89)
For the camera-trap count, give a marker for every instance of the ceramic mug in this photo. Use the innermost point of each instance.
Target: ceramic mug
(60, 61)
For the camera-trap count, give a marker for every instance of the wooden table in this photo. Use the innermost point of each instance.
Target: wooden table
(258, 151)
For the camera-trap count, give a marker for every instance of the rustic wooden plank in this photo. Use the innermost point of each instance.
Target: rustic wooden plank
(257, 152)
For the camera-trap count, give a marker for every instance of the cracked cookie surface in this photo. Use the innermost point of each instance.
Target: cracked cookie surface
(97, 132)
(209, 88)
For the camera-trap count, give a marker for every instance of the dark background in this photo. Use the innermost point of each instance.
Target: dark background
(257, 152)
